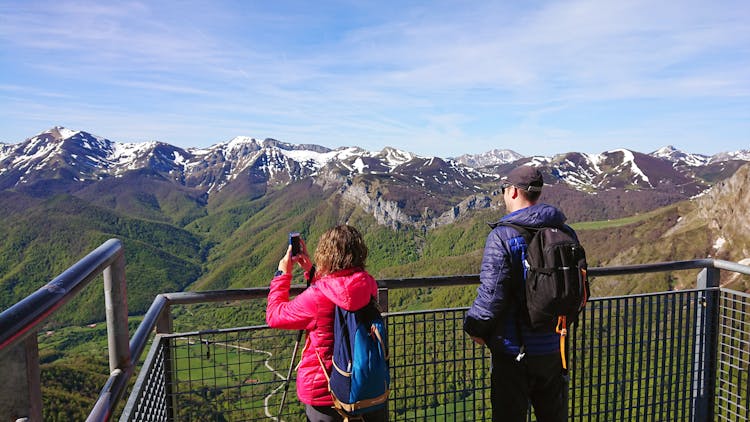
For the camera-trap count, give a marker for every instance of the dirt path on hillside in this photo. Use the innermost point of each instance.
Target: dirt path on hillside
(269, 355)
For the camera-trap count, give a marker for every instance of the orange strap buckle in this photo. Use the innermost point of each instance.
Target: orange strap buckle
(562, 329)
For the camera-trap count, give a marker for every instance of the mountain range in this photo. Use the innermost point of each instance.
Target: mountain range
(397, 187)
(218, 217)
(212, 218)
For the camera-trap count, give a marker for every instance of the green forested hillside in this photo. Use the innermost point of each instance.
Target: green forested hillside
(239, 245)
(147, 195)
(173, 242)
(249, 238)
(43, 239)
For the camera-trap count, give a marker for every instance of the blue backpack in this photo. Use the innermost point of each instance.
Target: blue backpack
(360, 374)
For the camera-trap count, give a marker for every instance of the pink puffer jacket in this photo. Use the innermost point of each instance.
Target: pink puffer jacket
(312, 310)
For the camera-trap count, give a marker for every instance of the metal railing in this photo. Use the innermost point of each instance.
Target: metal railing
(663, 356)
(634, 358)
(649, 357)
(20, 393)
(733, 357)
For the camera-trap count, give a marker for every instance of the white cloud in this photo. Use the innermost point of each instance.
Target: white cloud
(491, 73)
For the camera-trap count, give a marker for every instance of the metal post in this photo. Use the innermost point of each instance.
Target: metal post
(164, 321)
(116, 303)
(383, 302)
(164, 326)
(707, 320)
(383, 299)
(34, 375)
(20, 389)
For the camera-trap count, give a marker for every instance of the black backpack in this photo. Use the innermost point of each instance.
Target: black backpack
(556, 285)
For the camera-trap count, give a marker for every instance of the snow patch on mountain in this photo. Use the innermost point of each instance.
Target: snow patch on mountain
(240, 142)
(678, 157)
(489, 158)
(359, 165)
(629, 161)
(316, 160)
(37, 149)
(394, 157)
(274, 162)
(63, 133)
(743, 155)
(468, 170)
(594, 161)
(124, 156)
(5, 150)
(577, 175)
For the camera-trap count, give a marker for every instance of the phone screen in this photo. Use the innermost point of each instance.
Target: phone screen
(294, 241)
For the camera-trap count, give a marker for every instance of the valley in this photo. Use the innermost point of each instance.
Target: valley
(218, 218)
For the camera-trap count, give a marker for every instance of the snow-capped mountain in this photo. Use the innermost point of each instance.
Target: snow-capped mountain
(741, 155)
(489, 158)
(615, 169)
(679, 157)
(80, 156)
(397, 186)
(620, 168)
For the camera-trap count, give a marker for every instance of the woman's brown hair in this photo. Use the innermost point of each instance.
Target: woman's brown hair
(339, 248)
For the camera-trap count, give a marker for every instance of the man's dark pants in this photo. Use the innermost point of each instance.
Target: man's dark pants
(536, 379)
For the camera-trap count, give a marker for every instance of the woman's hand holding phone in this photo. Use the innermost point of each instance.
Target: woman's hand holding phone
(303, 259)
(295, 252)
(285, 264)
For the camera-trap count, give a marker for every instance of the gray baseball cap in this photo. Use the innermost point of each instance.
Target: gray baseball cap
(525, 177)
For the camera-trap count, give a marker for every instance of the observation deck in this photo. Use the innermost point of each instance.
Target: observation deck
(666, 356)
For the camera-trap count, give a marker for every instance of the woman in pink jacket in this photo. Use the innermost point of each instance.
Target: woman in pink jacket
(340, 279)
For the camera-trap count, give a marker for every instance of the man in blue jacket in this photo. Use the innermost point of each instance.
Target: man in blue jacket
(526, 365)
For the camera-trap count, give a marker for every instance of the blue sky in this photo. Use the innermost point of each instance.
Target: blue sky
(435, 78)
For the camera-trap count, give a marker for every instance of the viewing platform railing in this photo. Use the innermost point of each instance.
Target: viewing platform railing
(678, 355)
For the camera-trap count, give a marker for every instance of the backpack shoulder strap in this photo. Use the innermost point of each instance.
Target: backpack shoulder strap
(526, 232)
(570, 231)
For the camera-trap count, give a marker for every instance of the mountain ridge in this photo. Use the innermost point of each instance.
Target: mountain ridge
(397, 187)
(316, 156)
(220, 220)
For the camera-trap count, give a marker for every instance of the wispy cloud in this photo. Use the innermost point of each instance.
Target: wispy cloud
(482, 75)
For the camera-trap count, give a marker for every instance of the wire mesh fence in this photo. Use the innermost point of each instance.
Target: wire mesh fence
(437, 371)
(733, 357)
(637, 357)
(227, 375)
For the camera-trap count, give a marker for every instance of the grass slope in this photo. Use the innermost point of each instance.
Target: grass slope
(255, 235)
(41, 242)
(172, 243)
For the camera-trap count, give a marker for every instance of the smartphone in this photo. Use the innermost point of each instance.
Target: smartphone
(294, 241)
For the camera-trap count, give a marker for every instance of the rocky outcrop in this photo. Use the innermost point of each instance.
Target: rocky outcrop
(727, 204)
(725, 211)
(391, 213)
(387, 213)
(473, 202)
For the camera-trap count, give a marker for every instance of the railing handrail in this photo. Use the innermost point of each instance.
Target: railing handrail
(20, 323)
(693, 264)
(439, 281)
(701, 388)
(165, 300)
(24, 317)
(29, 313)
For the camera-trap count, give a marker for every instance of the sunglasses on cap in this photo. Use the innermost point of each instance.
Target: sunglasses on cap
(504, 186)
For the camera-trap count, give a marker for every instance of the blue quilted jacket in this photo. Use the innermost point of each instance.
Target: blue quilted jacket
(494, 313)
